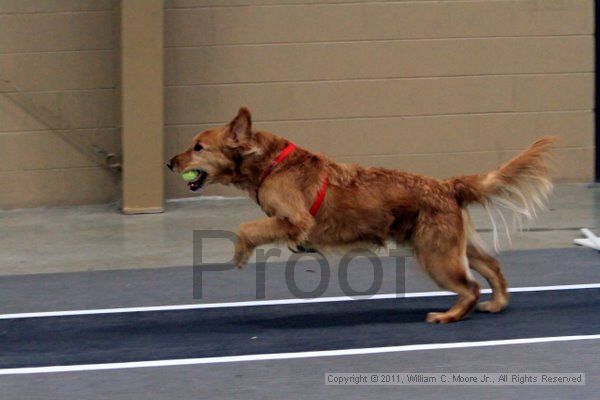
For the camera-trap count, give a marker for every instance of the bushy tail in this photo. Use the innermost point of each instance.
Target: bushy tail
(520, 186)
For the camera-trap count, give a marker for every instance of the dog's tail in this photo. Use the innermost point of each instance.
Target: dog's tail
(520, 186)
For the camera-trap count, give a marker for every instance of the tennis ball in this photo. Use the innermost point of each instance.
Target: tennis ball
(189, 176)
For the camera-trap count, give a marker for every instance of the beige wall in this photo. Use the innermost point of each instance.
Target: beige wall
(436, 87)
(61, 54)
(142, 106)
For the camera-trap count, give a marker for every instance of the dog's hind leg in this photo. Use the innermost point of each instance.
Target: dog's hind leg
(489, 268)
(450, 273)
(441, 250)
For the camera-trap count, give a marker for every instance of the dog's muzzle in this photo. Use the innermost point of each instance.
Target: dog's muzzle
(197, 183)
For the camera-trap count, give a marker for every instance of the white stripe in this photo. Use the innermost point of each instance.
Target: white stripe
(255, 303)
(288, 356)
(205, 198)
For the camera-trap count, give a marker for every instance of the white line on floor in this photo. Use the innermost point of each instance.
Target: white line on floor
(255, 303)
(288, 356)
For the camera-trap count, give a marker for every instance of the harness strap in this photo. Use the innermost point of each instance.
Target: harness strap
(320, 197)
(314, 209)
(284, 153)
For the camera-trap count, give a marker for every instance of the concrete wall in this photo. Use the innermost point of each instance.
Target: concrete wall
(436, 87)
(61, 53)
(142, 106)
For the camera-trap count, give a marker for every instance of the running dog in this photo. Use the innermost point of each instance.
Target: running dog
(312, 200)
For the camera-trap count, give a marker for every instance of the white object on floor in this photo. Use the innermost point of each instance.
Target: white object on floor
(592, 241)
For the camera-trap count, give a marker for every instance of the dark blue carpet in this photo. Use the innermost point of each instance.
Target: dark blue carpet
(161, 335)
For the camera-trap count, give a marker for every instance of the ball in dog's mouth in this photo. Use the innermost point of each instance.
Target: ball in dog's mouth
(197, 183)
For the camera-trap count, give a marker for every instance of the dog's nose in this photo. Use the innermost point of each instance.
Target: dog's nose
(170, 165)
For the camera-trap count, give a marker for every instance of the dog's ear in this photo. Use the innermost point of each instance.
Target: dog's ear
(240, 127)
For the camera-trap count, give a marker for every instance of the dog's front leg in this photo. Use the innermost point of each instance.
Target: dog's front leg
(270, 230)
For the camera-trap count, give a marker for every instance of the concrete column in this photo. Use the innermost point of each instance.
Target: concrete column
(141, 32)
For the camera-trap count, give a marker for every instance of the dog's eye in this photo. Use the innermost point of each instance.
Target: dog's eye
(197, 147)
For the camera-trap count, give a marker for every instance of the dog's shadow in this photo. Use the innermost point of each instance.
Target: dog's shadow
(332, 320)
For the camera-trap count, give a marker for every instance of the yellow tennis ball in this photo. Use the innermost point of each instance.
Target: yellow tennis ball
(189, 176)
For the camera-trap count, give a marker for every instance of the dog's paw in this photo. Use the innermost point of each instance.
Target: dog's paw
(301, 248)
(243, 251)
(439, 318)
(491, 306)
(241, 259)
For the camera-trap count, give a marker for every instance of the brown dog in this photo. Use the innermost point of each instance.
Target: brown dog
(371, 205)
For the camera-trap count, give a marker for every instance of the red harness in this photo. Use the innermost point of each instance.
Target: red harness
(314, 209)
